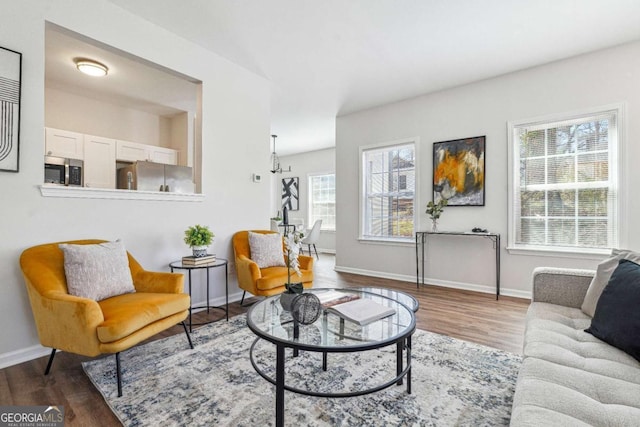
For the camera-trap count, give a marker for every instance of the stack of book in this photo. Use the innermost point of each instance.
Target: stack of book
(191, 260)
(353, 308)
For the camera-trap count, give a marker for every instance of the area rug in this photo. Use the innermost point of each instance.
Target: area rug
(454, 383)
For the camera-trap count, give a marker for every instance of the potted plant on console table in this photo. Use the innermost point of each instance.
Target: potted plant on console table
(292, 244)
(198, 237)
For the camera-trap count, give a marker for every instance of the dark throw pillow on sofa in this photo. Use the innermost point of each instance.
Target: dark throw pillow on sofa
(617, 317)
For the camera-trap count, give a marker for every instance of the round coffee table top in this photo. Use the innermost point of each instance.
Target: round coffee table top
(330, 333)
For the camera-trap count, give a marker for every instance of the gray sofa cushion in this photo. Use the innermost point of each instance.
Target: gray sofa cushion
(570, 377)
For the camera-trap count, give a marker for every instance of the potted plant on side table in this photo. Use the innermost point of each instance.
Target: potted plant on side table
(198, 237)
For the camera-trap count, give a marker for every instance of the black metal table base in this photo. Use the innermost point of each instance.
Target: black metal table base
(421, 237)
(403, 346)
(207, 267)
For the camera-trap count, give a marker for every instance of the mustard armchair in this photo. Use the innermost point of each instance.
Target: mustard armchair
(90, 328)
(266, 281)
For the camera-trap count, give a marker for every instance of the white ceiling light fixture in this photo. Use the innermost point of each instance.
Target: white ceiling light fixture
(275, 160)
(91, 67)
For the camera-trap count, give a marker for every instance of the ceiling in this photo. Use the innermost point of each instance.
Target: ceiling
(332, 57)
(131, 82)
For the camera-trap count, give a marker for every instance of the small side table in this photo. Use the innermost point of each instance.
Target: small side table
(219, 262)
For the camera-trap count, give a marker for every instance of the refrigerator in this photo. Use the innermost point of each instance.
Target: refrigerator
(149, 176)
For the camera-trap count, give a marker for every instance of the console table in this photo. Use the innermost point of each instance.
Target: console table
(421, 238)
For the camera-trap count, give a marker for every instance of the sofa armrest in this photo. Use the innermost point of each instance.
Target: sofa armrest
(562, 286)
(160, 282)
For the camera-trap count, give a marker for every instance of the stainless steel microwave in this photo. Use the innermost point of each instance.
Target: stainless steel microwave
(61, 171)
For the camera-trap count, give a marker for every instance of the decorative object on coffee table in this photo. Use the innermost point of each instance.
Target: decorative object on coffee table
(435, 210)
(198, 237)
(306, 308)
(292, 244)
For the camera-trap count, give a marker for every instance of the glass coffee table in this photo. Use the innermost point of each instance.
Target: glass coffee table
(332, 334)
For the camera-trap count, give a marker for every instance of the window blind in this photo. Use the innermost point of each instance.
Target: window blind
(388, 191)
(565, 192)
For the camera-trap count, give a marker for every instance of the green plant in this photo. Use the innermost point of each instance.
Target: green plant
(435, 209)
(198, 235)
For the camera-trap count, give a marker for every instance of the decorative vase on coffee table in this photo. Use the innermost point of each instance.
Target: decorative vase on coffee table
(286, 300)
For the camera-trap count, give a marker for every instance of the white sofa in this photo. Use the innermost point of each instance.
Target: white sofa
(568, 376)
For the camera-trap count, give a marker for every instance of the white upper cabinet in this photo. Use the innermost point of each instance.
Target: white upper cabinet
(163, 155)
(99, 162)
(127, 151)
(63, 143)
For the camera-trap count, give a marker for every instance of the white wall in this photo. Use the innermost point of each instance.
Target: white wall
(76, 113)
(312, 162)
(235, 114)
(483, 108)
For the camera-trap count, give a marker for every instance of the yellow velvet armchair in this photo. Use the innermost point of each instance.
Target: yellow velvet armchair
(266, 281)
(90, 328)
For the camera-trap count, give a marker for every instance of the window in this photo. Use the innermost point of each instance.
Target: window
(388, 192)
(564, 182)
(322, 200)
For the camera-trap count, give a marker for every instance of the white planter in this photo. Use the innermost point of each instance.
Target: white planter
(199, 251)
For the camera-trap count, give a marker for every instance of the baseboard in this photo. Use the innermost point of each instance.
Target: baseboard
(436, 282)
(23, 355)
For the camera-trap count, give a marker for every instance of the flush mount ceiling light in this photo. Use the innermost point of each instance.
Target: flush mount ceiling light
(90, 67)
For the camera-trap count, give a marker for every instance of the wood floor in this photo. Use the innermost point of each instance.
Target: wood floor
(461, 314)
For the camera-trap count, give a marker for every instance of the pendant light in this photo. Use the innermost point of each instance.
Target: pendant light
(275, 160)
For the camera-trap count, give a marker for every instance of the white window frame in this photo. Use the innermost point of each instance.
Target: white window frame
(415, 141)
(310, 221)
(617, 175)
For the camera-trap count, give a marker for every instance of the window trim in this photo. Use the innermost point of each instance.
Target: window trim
(619, 177)
(309, 176)
(361, 191)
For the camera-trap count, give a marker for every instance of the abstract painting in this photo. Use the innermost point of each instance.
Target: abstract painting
(290, 194)
(10, 75)
(458, 171)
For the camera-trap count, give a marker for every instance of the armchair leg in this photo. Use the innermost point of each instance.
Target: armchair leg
(186, 331)
(119, 374)
(242, 300)
(53, 353)
(314, 248)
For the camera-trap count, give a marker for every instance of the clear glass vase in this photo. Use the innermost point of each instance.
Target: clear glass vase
(434, 225)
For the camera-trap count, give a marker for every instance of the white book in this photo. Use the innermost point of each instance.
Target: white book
(362, 311)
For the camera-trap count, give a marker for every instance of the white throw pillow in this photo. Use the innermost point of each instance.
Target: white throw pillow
(601, 279)
(266, 249)
(97, 271)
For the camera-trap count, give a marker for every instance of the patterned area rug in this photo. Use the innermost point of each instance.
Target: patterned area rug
(454, 383)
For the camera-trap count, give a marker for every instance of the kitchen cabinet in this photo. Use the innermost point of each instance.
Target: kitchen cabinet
(64, 143)
(128, 151)
(99, 162)
(163, 155)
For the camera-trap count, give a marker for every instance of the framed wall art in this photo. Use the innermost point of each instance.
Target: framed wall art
(10, 76)
(458, 171)
(290, 194)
